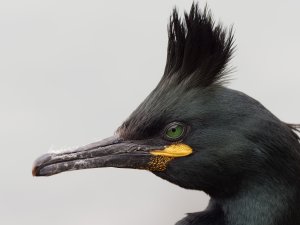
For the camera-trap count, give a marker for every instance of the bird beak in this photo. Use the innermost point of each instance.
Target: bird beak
(110, 152)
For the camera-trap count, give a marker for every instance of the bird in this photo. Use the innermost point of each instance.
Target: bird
(196, 133)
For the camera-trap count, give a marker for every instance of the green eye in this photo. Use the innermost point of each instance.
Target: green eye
(174, 131)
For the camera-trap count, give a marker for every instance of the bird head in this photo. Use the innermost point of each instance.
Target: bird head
(191, 130)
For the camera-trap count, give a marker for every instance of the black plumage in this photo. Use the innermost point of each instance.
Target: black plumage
(198, 134)
(198, 49)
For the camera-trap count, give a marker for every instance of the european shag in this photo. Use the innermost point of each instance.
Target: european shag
(194, 132)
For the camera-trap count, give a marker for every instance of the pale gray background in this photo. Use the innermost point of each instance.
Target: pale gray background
(72, 71)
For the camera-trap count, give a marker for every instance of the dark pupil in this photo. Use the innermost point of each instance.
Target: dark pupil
(173, 129)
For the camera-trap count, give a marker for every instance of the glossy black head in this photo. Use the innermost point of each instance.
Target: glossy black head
(191, 130)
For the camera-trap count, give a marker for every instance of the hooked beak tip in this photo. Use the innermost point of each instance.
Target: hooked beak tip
(34, 171)
(36, 165)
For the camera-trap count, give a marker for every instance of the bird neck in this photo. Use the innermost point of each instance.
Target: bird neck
(269, 203)
(264, 202)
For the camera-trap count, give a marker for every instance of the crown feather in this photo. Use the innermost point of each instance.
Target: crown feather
(198, 49)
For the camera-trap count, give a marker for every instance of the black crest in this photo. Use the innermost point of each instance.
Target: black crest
(198, 49)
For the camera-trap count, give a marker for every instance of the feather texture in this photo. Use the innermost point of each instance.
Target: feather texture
(198, 49)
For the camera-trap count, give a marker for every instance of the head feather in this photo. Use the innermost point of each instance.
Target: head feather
(198, 52)
(198, 49)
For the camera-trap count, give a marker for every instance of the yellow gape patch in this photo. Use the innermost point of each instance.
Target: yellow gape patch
(158, 163)
(174, 150)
